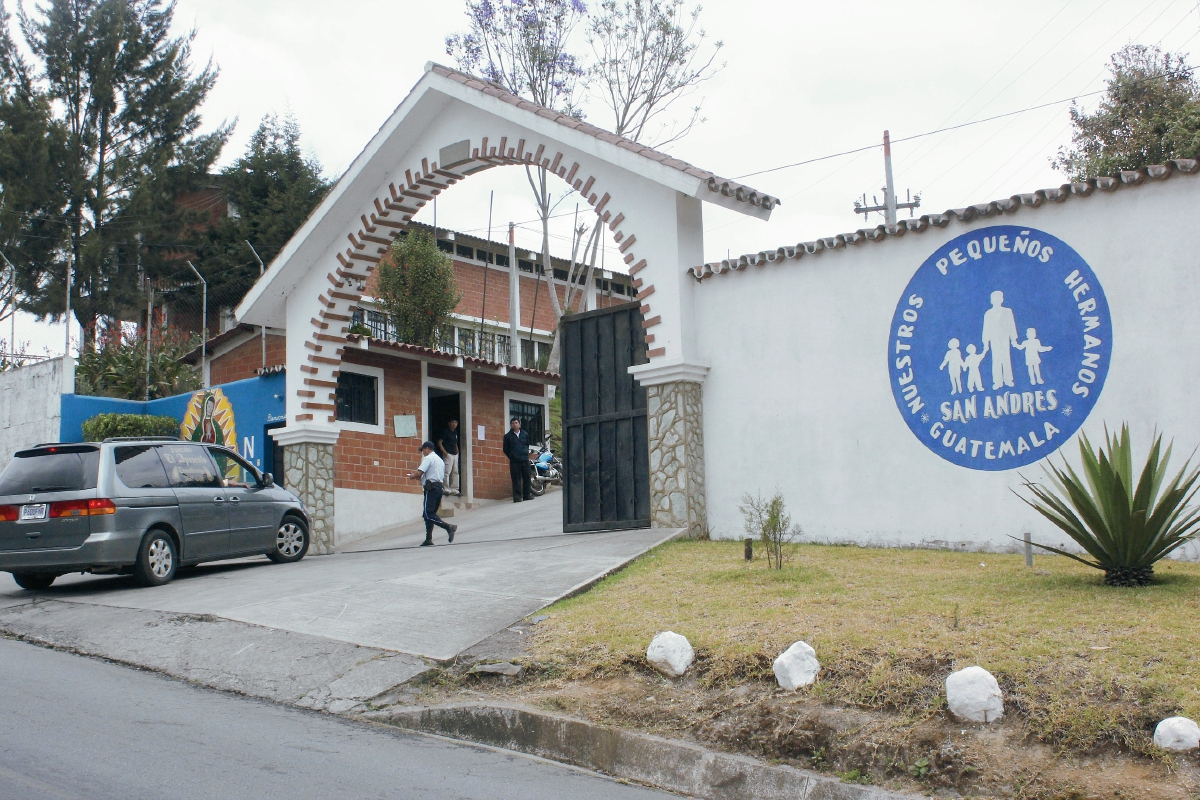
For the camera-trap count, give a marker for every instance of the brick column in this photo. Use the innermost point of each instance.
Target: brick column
(675, 422)
(308, 473)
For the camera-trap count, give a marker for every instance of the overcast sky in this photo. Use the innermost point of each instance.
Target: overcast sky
(803, 80)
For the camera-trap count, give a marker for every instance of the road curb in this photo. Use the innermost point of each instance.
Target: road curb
(673, 765)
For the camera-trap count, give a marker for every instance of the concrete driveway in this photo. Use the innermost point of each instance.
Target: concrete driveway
(508, 560)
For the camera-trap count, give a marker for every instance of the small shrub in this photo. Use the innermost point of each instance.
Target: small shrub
(117, 368)
(769, 522)
(1123, 527)
(105, 426)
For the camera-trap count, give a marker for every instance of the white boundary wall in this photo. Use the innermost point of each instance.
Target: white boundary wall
(30, 409)
(798, 397)
(359, 513)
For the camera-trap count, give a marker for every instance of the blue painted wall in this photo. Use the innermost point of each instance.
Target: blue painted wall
(258, 406)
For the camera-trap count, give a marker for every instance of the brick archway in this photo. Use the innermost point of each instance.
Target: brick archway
(326, 335)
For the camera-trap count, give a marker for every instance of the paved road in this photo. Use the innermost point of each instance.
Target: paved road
(507, 561)
(79, 728)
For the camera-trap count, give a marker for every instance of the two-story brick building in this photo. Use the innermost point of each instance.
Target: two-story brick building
(390, 396)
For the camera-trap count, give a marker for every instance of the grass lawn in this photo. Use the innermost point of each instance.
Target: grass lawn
(1082, 664)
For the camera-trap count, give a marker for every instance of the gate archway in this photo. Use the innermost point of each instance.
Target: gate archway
(449, 127)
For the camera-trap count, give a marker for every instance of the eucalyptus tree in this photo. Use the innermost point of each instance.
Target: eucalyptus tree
(111, 102)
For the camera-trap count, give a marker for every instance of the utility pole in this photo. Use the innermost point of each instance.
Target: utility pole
(261, 269)
(204, 332)
(67, 346)
(149, 329)
(514, 300)
(889, 206)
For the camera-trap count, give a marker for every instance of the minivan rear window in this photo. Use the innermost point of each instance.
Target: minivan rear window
(51, 469)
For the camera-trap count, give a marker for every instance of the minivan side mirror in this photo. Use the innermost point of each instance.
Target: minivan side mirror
(268, 480)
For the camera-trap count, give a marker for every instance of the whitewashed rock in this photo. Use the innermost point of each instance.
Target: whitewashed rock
(797, 666)
(974, 695)
(1177, 733)
(670, 654)
(504, 668)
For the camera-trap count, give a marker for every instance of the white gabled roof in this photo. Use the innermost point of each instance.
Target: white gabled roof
(354, 194)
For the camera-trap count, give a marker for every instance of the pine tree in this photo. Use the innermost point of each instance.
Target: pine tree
(271, 191)
(111, 96)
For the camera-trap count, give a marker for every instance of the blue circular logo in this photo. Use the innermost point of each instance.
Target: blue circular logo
(999, 347)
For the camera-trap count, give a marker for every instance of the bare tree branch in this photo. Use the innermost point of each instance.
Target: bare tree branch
(649, 55)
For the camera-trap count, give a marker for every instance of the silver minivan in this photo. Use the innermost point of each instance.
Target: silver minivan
(143, 506)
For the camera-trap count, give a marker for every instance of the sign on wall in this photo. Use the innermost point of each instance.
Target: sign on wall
(999, 347)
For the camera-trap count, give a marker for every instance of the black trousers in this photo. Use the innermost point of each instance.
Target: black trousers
(433, 501)
(519, 472)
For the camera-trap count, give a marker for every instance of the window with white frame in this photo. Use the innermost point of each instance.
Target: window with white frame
(359, 399)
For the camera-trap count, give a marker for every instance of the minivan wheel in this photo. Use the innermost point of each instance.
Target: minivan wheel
(34, 581)
(157, 559)
(291, 541)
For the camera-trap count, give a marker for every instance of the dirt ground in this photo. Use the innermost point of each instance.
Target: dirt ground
(935, 755)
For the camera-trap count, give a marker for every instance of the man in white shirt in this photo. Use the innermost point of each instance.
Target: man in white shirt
(430, 474)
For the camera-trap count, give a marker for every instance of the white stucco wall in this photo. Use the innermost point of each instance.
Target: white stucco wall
(798, 397)
(30, 411)
(359, 513)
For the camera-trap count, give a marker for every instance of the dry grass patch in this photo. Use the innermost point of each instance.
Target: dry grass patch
(1084, 666)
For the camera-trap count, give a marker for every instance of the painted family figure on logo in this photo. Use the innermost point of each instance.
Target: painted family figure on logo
(978, 309)
(999, 335)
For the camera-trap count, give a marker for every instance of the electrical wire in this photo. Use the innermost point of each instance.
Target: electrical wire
(914, 154)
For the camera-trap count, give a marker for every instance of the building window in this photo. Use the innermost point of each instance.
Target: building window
(528, 358)
(487, 346)
(379, 325)
(446, 341)
(501, 348)
(445, 247)
(524, 266)
(464, 251)
(501, 261)
(356, 398)
(532, 416)
(466, 342)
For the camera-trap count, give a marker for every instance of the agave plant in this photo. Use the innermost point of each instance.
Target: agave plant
(1124, 528)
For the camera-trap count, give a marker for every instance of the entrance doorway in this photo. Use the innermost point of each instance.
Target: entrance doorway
(444, 405)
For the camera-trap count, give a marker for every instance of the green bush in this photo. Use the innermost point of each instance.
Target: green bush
(104, 426)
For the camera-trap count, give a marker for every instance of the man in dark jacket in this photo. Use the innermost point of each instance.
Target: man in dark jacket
(516, 447)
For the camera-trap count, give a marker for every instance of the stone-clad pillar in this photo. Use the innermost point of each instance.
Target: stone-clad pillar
(308, 473)
(677, 496)
(675, 421)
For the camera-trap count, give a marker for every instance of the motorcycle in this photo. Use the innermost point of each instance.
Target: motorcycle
(547, 469)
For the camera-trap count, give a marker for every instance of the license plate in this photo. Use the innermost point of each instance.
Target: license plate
(34, 511)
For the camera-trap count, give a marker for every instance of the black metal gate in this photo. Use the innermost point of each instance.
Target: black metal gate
(606, 451)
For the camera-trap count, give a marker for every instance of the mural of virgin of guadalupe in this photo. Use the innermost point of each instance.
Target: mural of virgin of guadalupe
(209, 418)
(208, 428)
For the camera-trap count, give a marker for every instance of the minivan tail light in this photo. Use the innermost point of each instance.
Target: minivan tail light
(82, 508)
(100, 506)
(69, 508)
(9, 513)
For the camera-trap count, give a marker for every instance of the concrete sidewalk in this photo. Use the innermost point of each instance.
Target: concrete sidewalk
(507, 561)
